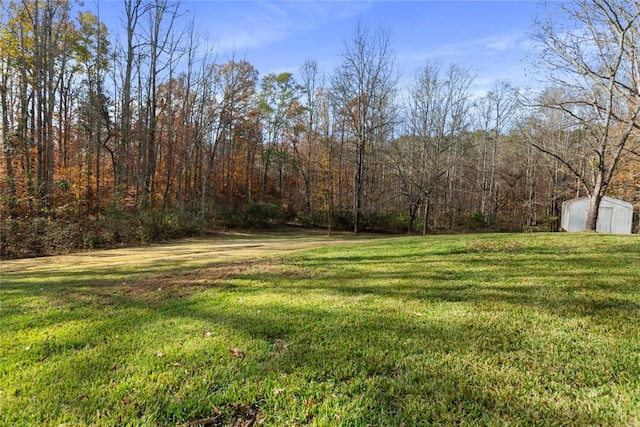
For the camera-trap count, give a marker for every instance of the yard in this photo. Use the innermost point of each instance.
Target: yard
(293, 329)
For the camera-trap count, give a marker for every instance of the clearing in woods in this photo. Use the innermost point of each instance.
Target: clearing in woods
(297, 329)
(227, 247)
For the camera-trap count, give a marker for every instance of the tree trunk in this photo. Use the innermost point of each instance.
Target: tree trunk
(7, 147)
(594, 205)
(131, 8)
(358, 184)
(425, 224)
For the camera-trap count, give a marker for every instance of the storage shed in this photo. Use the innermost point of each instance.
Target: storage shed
(615, 216)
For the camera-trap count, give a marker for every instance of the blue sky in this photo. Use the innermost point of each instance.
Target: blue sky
(491, 38)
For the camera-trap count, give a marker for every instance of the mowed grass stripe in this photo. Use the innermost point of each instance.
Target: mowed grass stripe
(475, 329)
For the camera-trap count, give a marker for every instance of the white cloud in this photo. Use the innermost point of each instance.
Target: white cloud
(491, 58)
(253, 24)
(489, 45)
(502, 44)
(236, 37)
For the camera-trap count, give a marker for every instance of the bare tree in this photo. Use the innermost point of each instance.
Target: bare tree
(133, 12)
(160, 46)
(437, 114)
(311, 87)
(495, 111)
(596, 62)
(554, 130)
(364, 87)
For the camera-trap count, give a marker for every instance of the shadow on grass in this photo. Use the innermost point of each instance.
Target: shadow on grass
(476, 353)
(413, 369)
(567, 286)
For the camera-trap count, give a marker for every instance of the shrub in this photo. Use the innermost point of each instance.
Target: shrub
(256, 216)
(342, 220)
(157, 225)
(394, 222)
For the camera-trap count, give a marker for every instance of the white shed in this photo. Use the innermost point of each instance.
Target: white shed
(615, 216)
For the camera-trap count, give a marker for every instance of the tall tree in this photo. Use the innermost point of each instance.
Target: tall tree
(19, 40)
(7, 49)
(495, 111)
(37, 42)
(552, 130)
(437, 116)
(311, 91)
(596, 61)
(158, 42)
(364, 86)
(91, 56)
(49, 23)
(236, 83)
(232, 91)
(133, 13)
(278, 106)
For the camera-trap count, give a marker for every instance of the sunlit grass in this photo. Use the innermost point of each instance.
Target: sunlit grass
(481, 329)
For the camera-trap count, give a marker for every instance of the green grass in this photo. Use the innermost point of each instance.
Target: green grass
(538, 329)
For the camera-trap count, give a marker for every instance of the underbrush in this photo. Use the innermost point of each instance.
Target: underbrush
(58, 234)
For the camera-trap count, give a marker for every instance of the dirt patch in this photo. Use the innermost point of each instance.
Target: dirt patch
(243, 415)
(191, 282)
(224, 249)
(219, 276)
(161, 286)
(154, 273)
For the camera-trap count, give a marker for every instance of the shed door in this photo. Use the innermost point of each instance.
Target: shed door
(605, 215)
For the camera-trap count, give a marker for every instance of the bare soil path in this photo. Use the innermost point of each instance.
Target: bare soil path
(183, 253)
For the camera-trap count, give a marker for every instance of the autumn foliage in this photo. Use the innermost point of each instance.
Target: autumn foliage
(106, 142)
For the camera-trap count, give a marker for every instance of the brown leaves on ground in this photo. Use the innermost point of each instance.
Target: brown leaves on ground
(243, 415)
(478, 246)
(237, 354)
(185, 283)
(176, 284)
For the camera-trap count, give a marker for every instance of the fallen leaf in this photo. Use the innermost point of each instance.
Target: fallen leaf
(160, 354)
(281, 344)
(209, 421)
(237, 354)
(207, 334)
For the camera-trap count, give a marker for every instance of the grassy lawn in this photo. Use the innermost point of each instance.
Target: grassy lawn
(537, 329)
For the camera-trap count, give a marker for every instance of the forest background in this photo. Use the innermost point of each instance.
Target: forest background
(147, 136)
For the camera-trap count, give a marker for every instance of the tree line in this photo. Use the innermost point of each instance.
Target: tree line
(144, 136)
